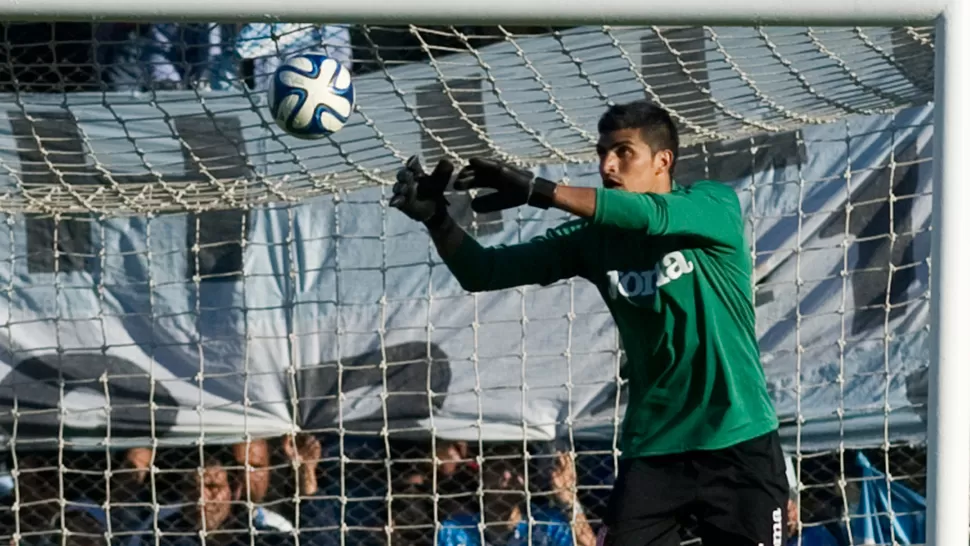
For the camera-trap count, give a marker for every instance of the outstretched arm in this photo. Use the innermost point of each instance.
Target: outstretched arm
(543, 260)
(707, 211)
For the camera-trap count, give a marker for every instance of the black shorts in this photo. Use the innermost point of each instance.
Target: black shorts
(738, 496)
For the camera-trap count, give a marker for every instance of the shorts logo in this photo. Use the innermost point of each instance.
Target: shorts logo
(777, 534)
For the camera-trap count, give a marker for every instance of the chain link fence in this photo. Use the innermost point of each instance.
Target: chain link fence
(371, 492)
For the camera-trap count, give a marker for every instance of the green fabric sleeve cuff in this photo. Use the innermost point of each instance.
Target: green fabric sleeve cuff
(603, 198)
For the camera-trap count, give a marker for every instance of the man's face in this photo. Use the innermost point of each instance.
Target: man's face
(627, 163)
(256, 475)
(216, 493)
(504, 491)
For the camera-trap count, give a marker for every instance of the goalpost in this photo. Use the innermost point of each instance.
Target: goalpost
(180, 273)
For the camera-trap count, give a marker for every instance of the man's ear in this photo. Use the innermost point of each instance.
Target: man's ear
(663, 161)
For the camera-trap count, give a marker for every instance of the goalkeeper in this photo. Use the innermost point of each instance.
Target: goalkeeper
(700, 434)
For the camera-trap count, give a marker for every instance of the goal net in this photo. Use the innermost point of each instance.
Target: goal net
(209, 326)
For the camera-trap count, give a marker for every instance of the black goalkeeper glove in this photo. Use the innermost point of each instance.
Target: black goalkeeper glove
(421, 196)
(514, 187)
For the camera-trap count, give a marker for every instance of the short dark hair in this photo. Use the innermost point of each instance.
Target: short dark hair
(656, 127)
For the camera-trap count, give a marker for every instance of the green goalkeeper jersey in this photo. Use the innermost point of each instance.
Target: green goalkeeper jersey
(675, 272)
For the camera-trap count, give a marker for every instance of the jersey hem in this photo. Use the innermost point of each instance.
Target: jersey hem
(759, 429)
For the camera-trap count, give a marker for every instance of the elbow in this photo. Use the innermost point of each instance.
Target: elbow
(475, 272)
(470, 284)
(469, 278)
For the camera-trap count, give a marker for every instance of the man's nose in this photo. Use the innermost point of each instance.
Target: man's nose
(608, 165)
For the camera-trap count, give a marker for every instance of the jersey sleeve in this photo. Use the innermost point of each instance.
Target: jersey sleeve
(544, 260)
(706, 211)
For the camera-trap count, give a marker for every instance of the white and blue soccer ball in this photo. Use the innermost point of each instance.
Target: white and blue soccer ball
(311, 96)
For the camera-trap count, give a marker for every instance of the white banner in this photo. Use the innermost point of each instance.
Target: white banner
(336, 312)
(126, 343)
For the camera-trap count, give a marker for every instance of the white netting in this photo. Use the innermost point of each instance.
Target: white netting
(180, 276)
(532, 97)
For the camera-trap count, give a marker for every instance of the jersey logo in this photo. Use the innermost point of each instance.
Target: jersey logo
(631, 284)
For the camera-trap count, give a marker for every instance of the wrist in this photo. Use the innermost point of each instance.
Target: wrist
(447, 236)
(309, 482)
(566, 499)
(543, 193)
(438, 219)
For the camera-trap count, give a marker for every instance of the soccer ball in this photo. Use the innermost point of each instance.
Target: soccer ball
(311, 96)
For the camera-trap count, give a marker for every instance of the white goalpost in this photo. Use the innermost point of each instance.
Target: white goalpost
(947, 436)
(180, 274)
(768, 12)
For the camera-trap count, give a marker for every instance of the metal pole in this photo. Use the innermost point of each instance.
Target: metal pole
(948, 454)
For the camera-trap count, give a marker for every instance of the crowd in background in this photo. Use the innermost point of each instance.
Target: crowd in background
(173, 56)
(157, 57)
(288, 490)
(306, 490)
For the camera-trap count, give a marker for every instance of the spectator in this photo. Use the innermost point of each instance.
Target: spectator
(253, 457)
(457, 476)
(206, 511)
(506, 510)
(319, 517)
(257, 478)
(164, 56)
(117, 57)
(413, 515)
(41, 521)
(129, 495)
(289, 494)
(457, 473)
(183, 56)
(209, 497)
(264, 46)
